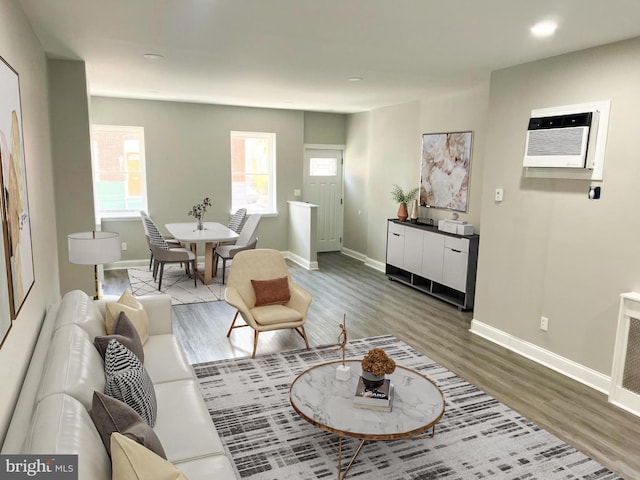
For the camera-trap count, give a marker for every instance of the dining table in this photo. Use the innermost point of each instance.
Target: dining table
(211, 234)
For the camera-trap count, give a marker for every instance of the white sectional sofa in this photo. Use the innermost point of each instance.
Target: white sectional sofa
(52, 413)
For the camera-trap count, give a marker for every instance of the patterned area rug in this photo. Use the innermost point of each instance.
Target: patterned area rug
(175, 283)
(477, 438)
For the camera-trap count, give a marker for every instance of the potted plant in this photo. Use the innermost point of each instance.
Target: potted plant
(198, 211)
(375, 365)
(403, 199)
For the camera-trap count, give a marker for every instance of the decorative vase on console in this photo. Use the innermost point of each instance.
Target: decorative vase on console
(403, 198)
(375, 365)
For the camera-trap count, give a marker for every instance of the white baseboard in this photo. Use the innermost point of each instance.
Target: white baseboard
(303, 262)
(119, 265)
(567, 367)
(369, 262)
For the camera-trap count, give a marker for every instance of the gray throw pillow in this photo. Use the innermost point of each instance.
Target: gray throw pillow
(128, 381)
(111, 415)
(125, 332)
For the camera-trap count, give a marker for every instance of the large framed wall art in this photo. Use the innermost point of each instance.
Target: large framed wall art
(445, 169)
(16, 221)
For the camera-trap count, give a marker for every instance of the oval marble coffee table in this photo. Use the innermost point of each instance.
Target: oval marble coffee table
(327, 403)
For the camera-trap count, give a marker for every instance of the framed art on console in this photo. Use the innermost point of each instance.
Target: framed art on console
(444, 170)
(16, 221)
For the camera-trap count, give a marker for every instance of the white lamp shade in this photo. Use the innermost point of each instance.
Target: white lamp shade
(94, 248)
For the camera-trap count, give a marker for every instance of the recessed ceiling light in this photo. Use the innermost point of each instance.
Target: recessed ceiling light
(153, 56)
(544, 29)
(355, 79)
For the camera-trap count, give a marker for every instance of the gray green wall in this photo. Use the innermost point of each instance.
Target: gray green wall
(21, 49)
(547, 250)
(72, 166)
(187, 151)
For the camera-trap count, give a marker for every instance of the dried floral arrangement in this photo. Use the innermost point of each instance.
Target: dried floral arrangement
(199, 209)
(378, 363)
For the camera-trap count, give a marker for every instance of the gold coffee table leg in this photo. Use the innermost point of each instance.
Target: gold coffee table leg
(342, 475)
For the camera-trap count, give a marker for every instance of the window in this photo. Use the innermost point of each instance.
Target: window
(119, 180)
(323, 167)
(253, 172)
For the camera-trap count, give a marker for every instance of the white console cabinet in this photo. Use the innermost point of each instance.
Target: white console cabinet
(438, 263)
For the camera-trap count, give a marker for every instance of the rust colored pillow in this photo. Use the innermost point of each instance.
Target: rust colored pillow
(271, 292)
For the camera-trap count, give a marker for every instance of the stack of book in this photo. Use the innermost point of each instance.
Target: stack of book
(379, 398)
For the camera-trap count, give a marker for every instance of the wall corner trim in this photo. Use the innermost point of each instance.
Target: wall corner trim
(562, 365)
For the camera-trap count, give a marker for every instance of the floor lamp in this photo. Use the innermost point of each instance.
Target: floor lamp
(94, 248)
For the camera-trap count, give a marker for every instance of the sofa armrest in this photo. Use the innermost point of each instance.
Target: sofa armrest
(159, 311)
(158, 308)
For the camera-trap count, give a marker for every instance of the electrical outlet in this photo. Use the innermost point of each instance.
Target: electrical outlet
(124, 246)
(544, 324)
(499, 194)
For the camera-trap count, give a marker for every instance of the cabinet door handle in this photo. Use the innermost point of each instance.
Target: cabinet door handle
(457, 251)
(396, 234)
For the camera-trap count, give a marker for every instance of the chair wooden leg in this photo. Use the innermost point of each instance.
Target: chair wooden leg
(233, 323)
(150, 260)
(161, 272)
(303, 334)
(195, 277)
(155, 270)
(255, 342)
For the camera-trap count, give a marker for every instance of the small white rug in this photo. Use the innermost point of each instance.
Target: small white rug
(175, 283)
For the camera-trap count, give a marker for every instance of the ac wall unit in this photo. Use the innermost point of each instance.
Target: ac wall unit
(561, 141)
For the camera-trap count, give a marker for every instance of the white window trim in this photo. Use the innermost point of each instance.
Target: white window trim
(145, 204)
(271, 138)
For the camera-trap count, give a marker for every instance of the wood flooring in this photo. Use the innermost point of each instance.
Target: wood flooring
(374, 305)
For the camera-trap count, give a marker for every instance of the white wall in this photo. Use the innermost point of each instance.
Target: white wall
(547, 250)
(21, 49)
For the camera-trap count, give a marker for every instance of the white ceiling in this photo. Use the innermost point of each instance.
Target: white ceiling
(298, 54)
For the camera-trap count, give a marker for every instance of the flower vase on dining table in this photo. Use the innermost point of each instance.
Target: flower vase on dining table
(200, 225)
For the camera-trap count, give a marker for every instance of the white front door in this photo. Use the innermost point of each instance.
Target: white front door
(323, 187)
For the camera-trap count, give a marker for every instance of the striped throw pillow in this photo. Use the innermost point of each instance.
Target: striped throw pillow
(128, 381)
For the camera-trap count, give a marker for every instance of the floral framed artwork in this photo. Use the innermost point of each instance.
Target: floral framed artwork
(16, 220)
(445, 169)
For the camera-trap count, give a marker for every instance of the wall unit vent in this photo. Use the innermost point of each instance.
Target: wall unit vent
(561, 141)
(549, 165)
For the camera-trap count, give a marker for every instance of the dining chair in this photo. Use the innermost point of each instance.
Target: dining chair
(172, 242)
(163, 253)
(237, 220)
(247, 240)
(261, 288)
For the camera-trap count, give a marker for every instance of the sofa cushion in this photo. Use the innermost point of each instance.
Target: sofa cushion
(111, 415)
(165, 359)
(128, 381)
(125, 332)
(61, 425)
(271, 292)
(77, 308)
(184, 426)
(206, 468)
(73, 366)
(134, 310)
(130, 460)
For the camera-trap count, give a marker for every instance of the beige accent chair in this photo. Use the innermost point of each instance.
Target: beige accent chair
(264, 264)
